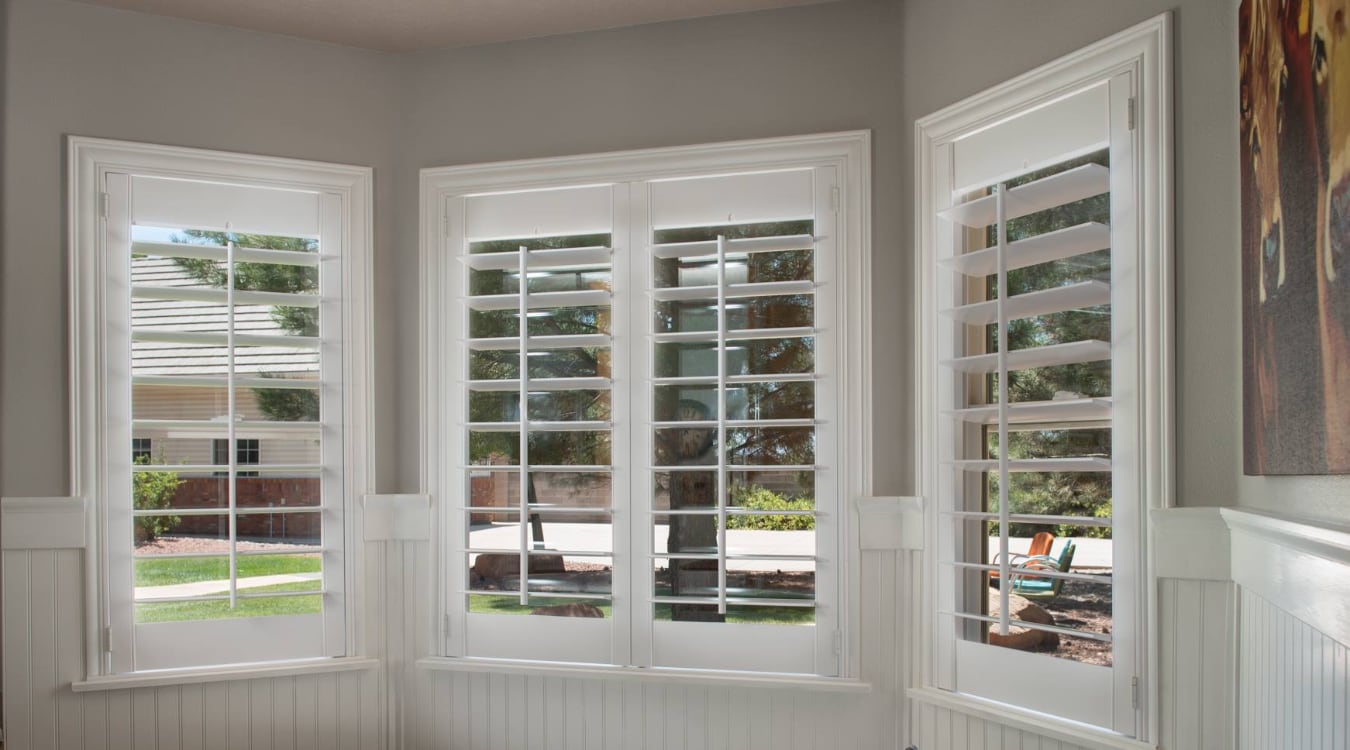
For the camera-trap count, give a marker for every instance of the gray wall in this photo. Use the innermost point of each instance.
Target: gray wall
(802, 70)
(1013, 37)
(879, 65)
(78, 69)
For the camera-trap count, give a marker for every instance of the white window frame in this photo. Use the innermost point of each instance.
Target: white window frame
(1142, 54)
(849, 154)
(91, 161)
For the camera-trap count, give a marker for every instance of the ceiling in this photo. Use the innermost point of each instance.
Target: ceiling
(406, 25)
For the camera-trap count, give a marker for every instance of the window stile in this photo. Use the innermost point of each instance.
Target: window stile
(115, 393)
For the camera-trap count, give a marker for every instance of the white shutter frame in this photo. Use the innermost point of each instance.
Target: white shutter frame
(99, 170)
(1143, 53)
(848, 152)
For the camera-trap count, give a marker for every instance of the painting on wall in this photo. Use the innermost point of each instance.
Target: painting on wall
(1294, 74)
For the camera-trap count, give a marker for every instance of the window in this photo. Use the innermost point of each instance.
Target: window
(644, 367)
(246, 453)
(219, 301)
(1044, 289)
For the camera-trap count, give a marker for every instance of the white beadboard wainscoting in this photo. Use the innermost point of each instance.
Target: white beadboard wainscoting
(1252, 621)
(44, 654)
(479, 709)
(1293, 634)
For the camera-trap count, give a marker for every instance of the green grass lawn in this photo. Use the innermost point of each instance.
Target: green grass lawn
(217, 610)
(152, 571)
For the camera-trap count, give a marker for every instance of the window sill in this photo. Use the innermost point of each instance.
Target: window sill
(197, 675)
(651, 674)
(1045, 725)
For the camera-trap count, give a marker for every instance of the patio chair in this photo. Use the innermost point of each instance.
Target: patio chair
(1037, 587)
(1040, 547)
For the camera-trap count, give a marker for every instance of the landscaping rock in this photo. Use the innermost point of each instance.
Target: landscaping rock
(501, 565)
(575, 609)
(1022, 639)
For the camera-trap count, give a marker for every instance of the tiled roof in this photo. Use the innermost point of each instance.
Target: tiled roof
(156, 358)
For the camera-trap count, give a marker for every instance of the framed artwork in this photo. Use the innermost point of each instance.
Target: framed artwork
(1294, 74)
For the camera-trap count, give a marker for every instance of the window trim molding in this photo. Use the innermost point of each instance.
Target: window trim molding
(1145, 52)
(88, 161)
(849, 152)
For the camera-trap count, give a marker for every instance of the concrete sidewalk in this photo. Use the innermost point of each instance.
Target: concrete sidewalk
(1089, 553)
(598, 537)
(206, 588)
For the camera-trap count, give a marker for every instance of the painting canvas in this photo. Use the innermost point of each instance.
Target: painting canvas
(1294, 71)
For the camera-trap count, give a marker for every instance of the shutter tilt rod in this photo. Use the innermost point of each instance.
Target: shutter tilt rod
(1005, 570)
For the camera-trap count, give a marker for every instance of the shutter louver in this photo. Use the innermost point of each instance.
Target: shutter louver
(1049, 210)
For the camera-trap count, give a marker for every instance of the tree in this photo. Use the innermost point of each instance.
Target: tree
(279, 404)
(1080, 494)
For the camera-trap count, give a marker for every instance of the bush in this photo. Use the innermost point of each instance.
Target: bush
(153, 490)
(761, 499)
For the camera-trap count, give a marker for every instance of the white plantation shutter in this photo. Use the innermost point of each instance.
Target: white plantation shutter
(727, 349)
(1037, 167)
(631, 367)
(186, 358)
(533, 345)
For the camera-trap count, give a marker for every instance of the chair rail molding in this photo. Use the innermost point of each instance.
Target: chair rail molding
(43, 523)
(1299, 567)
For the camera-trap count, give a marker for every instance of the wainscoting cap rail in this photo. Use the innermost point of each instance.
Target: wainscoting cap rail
(1299, 566)
(890, 522)
(390, 518)
(1314, 538)
(1190, 543)
(43, 522)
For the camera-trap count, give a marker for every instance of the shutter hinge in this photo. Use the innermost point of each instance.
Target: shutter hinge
(447, 624)
(834, 198)
(838, 642)
(1134, 692)
(1131, 112)
(103, 205)
(445, 224)
(107, 640)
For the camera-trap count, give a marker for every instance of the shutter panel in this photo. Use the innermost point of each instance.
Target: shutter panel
(538, 516)
(1036, 386)
(233, 329)
(734, 388)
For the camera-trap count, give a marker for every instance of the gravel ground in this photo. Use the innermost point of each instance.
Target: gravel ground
(1083, 606)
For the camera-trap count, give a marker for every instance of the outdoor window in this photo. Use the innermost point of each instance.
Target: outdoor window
(225, 297)
(648, 372)
(246, 452)
(1044, 410)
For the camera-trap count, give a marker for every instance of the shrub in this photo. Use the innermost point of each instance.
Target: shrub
(762, 499)
(153, 490)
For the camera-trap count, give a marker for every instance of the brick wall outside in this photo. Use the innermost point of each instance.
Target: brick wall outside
(251, 492)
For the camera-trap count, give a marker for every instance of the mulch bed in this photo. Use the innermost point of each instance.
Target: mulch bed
(1087, 607)
(180, 545)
